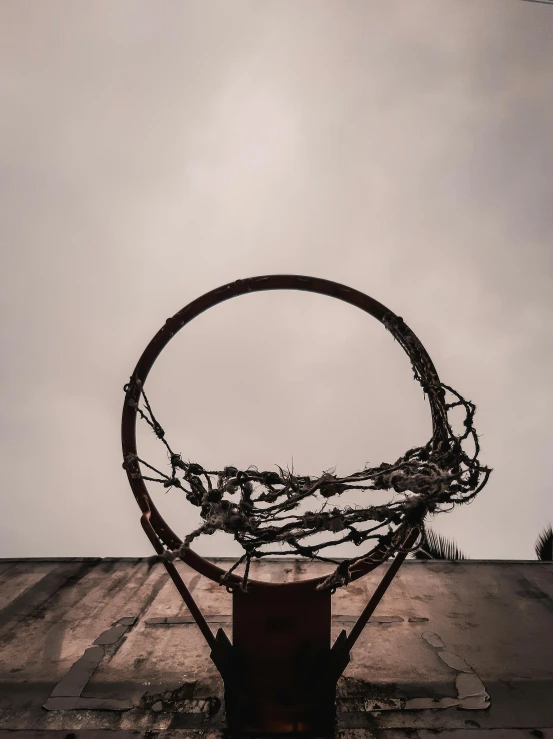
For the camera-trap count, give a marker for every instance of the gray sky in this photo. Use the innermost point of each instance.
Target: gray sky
(153, 151)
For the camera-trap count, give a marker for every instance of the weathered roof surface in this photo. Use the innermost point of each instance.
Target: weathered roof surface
(86, 644)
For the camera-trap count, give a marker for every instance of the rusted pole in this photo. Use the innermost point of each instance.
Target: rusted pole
(181, 587)
(379, 592)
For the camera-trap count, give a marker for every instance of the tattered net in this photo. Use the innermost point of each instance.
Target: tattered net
(260, 508)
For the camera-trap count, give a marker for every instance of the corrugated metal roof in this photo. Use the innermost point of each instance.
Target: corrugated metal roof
(103, 644)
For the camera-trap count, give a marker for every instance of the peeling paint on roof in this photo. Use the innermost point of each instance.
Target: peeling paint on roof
(463, 649)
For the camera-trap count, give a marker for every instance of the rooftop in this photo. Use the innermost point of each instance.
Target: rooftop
(96, 646)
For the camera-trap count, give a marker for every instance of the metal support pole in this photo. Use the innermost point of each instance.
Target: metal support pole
(379, 592)
(181, 587)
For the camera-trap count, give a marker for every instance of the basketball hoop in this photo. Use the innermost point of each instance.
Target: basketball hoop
(280, 673)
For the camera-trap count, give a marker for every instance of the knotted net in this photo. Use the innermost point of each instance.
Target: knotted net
(260, 508)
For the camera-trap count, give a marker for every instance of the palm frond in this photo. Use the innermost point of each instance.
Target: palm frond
(436, 546)
(544, 545)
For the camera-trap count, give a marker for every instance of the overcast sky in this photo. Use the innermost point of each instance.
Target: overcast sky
(152, 151)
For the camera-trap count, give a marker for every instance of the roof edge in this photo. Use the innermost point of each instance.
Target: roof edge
(287, 560)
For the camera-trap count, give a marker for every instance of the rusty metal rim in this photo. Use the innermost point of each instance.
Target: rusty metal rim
(155, 521)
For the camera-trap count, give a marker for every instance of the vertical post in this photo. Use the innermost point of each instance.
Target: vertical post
(280, 682)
